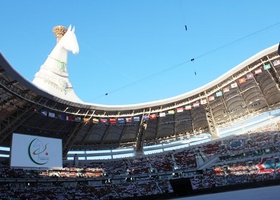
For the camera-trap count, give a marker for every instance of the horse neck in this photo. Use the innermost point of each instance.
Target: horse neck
(57, 61)
(59, 54)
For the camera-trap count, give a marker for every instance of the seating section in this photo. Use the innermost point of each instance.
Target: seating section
(246, 158)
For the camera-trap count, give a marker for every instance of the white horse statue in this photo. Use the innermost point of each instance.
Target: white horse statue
(53, 76)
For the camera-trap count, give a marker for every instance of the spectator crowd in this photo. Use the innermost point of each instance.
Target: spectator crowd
(246, 158)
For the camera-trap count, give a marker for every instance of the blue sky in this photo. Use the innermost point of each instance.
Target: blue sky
(139, 51)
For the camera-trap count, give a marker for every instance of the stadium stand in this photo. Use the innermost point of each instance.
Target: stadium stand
(222, 136)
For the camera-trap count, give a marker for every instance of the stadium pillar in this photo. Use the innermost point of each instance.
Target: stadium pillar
(140, 139)
(211, 122)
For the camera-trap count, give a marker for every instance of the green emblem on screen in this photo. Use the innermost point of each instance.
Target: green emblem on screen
(38, 152)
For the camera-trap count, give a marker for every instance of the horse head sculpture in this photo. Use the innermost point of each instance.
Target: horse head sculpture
(53, 74)
(69, 41)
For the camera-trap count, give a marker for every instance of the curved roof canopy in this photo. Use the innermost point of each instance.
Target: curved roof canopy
(249, 89)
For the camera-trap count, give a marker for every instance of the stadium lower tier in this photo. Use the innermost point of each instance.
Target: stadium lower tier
(235, 162)
(136, 188)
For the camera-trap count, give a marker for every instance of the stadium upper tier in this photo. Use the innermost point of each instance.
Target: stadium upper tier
(248, 90)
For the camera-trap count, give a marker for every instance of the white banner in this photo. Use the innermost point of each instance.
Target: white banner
(35, 151)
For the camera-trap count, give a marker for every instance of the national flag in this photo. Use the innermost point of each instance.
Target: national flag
(104, 121)
(112, 121)
(162, 114)
(128, 119)
(211, 98)
(242, 80)
(145, 117)
(180, 109)
(196, 104)
(249, 76)
(121, 120)
(236, 144)
(203, 101)
(86, 119)
(258, 71)
(136, 119)
(78, 119)
(69, 118)
(218, 94)
(171, 112)
(51, 114)
(233, 85)
(153, 116)
(188, 107)
(95, 120)
(267, 66)
(226, 89)
(266, 165)
(36, 110)
(276, 62)
(44, 112)
(61, 117)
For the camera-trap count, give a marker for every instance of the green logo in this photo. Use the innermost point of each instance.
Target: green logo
(37, 152)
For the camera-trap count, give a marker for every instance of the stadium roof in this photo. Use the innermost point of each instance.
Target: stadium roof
(249, 89)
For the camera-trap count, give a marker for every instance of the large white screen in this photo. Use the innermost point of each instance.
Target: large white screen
(35, 151)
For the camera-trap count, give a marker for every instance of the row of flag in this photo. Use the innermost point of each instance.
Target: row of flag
(240, 81)
(120, 120)
(234, 84)
(123, 120)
